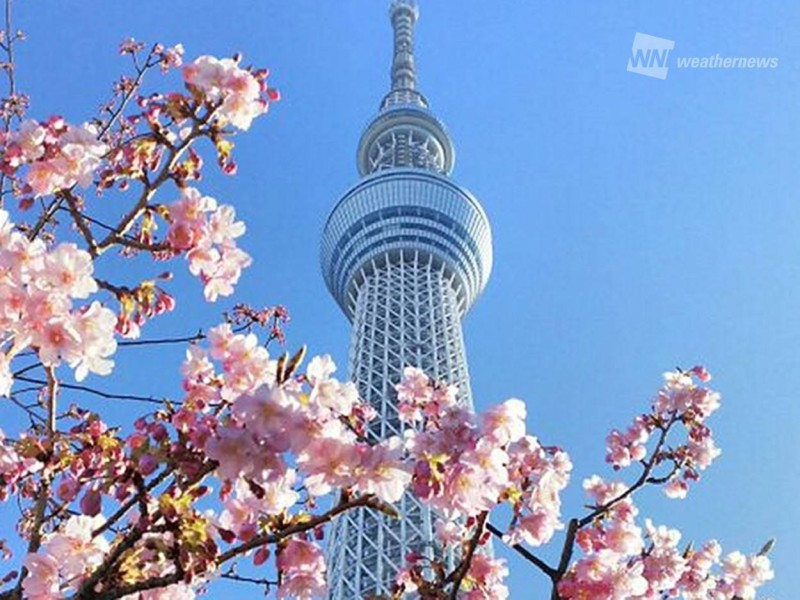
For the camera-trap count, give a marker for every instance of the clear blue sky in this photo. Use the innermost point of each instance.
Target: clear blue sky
(638, 224)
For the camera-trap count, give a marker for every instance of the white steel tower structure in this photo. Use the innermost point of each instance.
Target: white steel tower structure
(405, 253)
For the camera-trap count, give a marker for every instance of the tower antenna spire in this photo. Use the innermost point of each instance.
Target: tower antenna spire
(403, 15)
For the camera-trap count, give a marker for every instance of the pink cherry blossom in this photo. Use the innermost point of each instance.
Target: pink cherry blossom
(486, 576)
(58, 155)
(743, 575)
(630, 446)
(302, 567)
(505, 423)
(223, 83)
(69, 554)
(42, 582)
(236, 452)
(242, 512)
(664, 564)
(604, 575)
(207, 233)
(676, 489)
(448, 532)
(381, 470)
(95, 326)
(68, 270)
(328, 464)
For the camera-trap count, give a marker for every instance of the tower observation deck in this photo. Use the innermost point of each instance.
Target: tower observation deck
(405, 253)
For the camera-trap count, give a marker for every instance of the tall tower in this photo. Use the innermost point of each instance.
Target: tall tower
(405, 253)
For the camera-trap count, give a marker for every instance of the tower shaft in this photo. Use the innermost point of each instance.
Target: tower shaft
(407, 314)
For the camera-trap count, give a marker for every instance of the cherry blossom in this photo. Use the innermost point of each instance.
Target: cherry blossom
(207, 234)
(38, 288)
(66, 557)
(302, 567)
(235, 90)
(58, 155)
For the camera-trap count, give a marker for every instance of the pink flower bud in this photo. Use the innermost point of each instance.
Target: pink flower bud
(91, 503)
(67, 489)
(147, 464)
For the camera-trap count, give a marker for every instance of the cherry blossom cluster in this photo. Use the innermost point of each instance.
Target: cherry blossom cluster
(156, 145)
(207, 233)
(273, 419)
(147, 149)
(168, 57)
(683, 400)
(619, 558)
(37, 288)
(315, 419)
(65, 559)
(58, 155)
(237, 92)
(14, 467)
(139, 304)
(622, 561)
(467, 464)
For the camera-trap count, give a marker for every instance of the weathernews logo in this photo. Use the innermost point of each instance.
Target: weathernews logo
(650, 57)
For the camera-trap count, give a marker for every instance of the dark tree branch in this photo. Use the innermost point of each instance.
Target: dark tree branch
(100, 393)
(458, 575)
(274, 538)
(524, 552)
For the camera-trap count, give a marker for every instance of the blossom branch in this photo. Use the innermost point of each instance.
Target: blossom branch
(129, 93)
(150, 188)
(576, 524)
(80, 221)
(55, 205)
(644, 477)
(524, 552)
(457, 576)
(345, 505)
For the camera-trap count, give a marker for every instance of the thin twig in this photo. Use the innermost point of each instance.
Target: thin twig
(23, 370)
(236, 577)
(100, 393)
(34, 416)
(57, 202)
(199, 336)
(80, 221)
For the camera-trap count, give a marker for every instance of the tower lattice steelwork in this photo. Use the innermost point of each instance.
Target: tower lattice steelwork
(405, 253)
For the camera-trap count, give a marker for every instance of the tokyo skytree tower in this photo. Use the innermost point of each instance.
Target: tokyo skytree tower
(405, 253)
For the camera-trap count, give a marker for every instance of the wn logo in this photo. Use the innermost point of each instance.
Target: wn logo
(649, 55)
